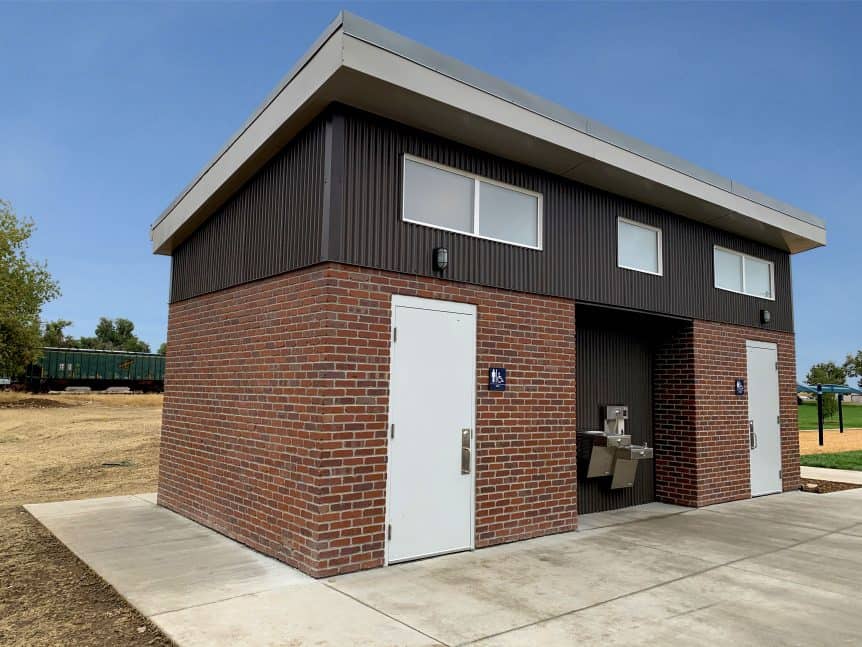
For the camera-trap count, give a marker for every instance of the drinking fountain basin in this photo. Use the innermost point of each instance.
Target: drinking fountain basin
(604, 439)
(634, 452)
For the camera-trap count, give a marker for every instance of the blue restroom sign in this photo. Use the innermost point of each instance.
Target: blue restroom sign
(496, 379)
(740, 387)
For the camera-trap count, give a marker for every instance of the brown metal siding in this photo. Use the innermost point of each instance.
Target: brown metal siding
(272, 225)
(579, 256)
(615, 366)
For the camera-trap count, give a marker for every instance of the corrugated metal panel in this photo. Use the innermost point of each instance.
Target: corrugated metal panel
(579, 257)
(615, 366)
(271, 225)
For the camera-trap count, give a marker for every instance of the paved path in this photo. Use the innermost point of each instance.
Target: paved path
(827, 474)
(783, 569)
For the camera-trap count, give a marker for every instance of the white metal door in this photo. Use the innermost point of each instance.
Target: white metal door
(432, 393)
(763, 417)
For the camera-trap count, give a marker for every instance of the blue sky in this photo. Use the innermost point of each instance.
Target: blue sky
(108, 110)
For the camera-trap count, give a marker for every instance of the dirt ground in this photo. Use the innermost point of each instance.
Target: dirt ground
(825, 487)
(833, 441)
(58, 447)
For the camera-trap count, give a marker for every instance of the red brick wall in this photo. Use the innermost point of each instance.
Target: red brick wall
(674, 423)
(277, 397)
(276, 407)
(242, 414)
(701, 425)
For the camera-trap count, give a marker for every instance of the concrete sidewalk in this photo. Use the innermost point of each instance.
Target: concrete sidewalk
(827, 474)
(783, 569)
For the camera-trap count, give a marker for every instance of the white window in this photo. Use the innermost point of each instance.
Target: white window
(638, 247)
(743, 273)
(446, 198)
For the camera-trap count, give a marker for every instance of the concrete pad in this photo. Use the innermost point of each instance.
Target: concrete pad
(715, 538)
(307, 614)
(853, 530)
(828, 474)
(723, 606)
(173, 575)
(783, 569)
(113, 525)
(156, 559)
(855, 493)
(627, 515)
(821, 511)
(832, 563)
(61, 509)
(459, 598)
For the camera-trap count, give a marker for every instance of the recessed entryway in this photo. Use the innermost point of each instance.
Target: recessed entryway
(432, 398)
(615, 365)
(764, 421)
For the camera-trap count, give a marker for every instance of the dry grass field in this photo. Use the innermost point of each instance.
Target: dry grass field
(59, 447)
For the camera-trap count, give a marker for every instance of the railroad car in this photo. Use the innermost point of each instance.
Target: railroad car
(59, 368)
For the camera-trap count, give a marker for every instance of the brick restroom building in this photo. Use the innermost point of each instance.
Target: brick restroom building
(404, 289)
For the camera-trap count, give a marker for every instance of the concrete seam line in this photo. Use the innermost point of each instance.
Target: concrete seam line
(843, 532)
(383, 613)
(658, 585)
(232, 597)
(631, 521)
(787, 580)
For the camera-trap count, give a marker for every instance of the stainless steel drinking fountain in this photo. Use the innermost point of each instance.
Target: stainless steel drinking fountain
(611, 452)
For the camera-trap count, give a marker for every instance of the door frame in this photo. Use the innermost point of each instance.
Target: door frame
(764, 345)
(434, 305)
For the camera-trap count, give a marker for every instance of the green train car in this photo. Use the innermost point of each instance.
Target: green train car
(98, 369)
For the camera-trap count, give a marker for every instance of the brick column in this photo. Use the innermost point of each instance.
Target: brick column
(701, 425)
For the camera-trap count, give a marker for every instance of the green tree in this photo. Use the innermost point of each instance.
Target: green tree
(827, 373)
(54, 335)
(115, 334)
(163, 348)
(853, 366)
(25, 286)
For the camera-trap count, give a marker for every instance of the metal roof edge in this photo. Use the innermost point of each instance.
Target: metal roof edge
(393, 42)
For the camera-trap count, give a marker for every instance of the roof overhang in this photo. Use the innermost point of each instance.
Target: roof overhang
(358, 63)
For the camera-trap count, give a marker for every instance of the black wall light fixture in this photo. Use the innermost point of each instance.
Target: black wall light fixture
(765, 316)
(441, 258)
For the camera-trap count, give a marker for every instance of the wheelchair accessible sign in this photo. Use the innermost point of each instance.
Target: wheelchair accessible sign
(497, 379)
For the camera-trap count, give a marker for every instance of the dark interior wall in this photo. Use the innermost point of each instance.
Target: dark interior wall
(615, 366)
(579, 256)
(272, 225)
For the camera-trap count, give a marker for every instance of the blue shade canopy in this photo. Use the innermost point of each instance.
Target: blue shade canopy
(827, 388)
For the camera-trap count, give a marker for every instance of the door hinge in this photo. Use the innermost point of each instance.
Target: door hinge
(394, 335)
(389, 532)
(392, 430)
(778, 419)
(780, 474)
(776, 366)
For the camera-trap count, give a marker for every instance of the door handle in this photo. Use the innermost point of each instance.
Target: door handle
(465, 451)
(752, 437)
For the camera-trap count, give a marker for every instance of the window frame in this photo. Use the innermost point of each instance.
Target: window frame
(743, 256)
(477, 179)
(659, 247)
